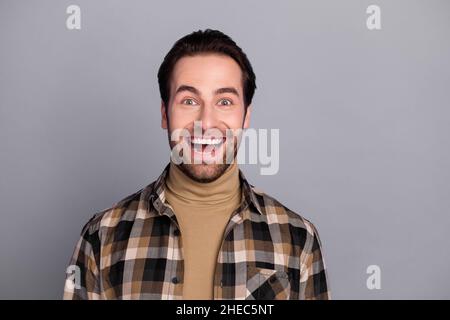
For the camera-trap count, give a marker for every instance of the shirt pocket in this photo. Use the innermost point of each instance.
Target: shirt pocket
(267, 284)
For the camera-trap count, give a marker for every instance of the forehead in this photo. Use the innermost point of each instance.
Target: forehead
(207, 72)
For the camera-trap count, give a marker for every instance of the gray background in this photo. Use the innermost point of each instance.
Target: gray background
(363, 118)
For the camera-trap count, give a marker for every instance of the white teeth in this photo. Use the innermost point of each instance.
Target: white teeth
(206, 141)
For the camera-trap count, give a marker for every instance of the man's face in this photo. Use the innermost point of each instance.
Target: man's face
(206, 88)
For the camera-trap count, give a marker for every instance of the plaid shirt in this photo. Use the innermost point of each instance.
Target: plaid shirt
(133, 250)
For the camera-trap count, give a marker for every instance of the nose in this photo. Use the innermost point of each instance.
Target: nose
(208, 117)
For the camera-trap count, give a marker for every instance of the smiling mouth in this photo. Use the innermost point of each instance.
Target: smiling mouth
(200, 144)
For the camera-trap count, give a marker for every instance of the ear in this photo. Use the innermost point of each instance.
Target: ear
(163, 116)
(247, 117)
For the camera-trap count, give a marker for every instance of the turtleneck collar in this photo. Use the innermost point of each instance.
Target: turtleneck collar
(189, 191)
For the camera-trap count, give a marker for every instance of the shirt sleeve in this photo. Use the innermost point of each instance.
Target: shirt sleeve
(82, 274)
(314, 278)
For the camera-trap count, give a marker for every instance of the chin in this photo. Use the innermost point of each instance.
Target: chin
(204, 172)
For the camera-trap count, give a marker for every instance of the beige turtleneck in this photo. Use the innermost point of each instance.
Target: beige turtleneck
(203, 211)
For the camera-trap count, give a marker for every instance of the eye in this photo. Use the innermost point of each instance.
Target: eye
(189, 102)
(227, 102)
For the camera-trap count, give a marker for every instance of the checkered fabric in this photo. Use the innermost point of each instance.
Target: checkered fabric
(133, 250)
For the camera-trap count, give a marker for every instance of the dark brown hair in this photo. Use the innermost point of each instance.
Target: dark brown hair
(207, 41)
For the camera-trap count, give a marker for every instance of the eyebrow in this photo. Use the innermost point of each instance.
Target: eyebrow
(197, 92)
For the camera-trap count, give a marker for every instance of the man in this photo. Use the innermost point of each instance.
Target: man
(200, 231)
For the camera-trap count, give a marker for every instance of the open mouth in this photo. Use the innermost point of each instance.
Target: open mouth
(200, 144)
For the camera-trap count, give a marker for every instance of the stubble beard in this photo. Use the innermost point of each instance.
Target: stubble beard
(209, 172)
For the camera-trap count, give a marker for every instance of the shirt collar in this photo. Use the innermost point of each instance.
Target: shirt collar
(157, 198)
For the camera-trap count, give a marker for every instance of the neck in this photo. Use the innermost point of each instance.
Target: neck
(223, 189)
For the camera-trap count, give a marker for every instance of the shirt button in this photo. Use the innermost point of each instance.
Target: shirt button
(176, 232)
(175, 280)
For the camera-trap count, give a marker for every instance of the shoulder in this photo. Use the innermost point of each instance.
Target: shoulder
(301, 231)
(124, 210)
(277, 211)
